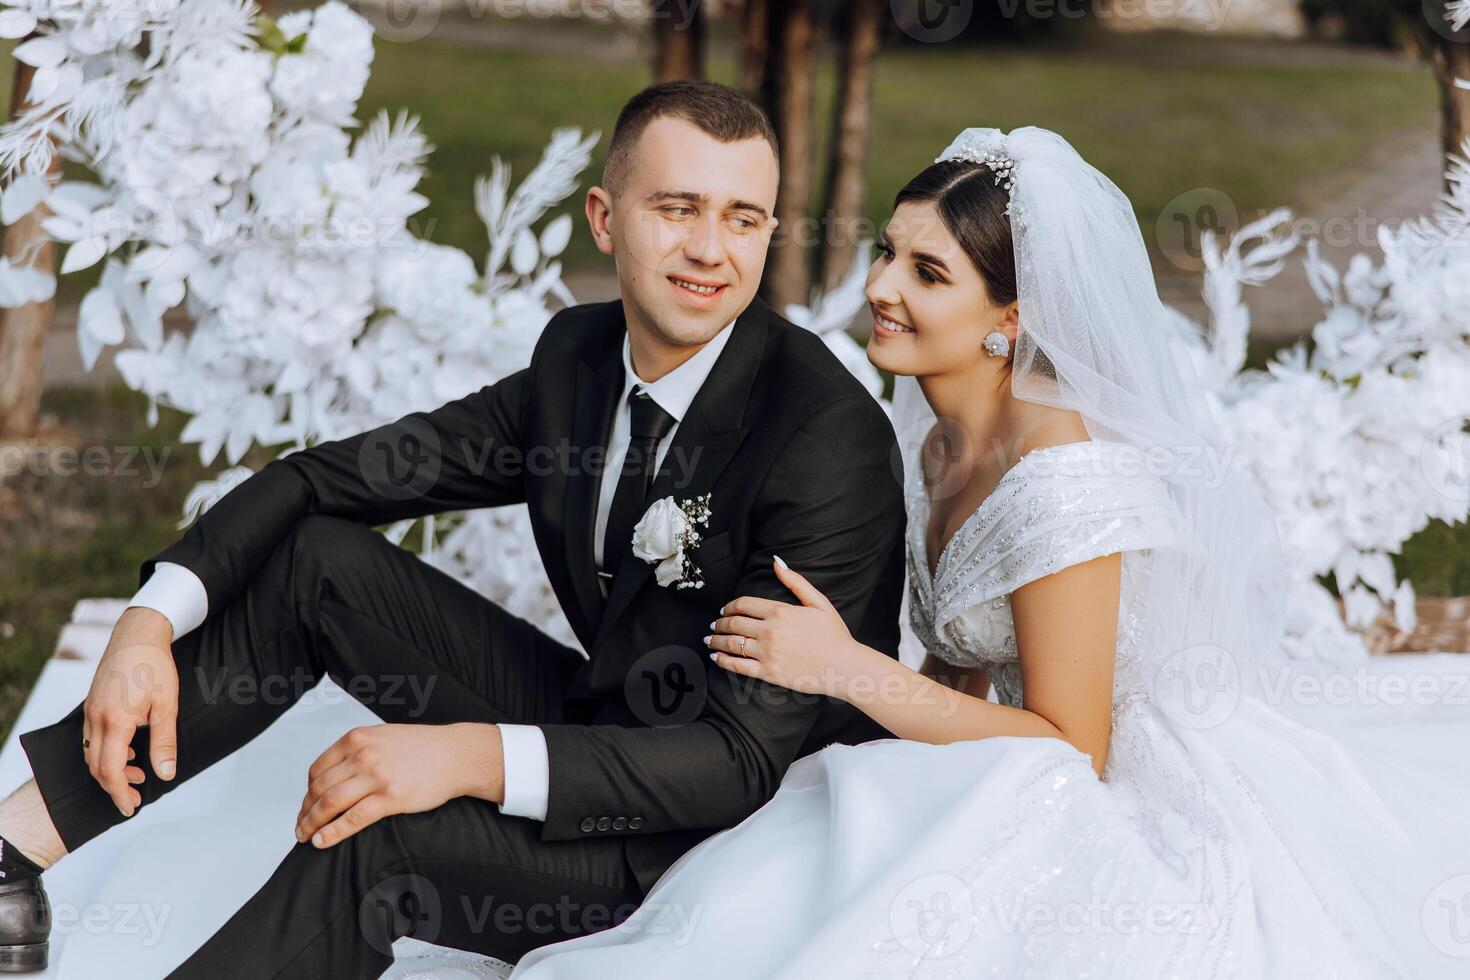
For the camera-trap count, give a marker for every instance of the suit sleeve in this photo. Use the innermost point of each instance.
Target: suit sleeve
(462, 455)
(831, 507)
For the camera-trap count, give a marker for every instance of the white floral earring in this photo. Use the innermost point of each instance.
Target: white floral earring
(996, 344)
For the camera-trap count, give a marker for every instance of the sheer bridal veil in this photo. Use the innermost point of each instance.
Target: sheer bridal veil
(1096, 339)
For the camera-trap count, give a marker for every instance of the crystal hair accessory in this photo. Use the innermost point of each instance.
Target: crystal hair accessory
(985, 146)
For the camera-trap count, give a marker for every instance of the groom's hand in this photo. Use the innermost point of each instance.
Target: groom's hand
(379, 770)
(136, 684)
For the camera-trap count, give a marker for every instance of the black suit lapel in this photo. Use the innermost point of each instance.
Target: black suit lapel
(705, 441)
(599, 382)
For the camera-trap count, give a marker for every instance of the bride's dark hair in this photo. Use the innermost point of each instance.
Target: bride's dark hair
(972, 206)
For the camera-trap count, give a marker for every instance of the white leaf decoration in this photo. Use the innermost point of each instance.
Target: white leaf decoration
(15, 22)
(556, 236)
(21, 197)
(83, 254)
(524, 254)
(21, 284)
(41, 52)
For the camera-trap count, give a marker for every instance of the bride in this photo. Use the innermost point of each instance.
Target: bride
(1082, 545)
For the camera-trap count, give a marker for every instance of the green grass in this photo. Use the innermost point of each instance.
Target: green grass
(1266, 136)
(70, 533)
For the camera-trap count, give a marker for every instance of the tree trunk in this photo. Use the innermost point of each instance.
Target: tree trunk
(23, 329)
(851, 127)
(752, 31)
(1451, 60)
(787, 93)
(678, 31)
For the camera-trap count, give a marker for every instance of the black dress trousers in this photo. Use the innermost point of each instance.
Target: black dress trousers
(336, 598)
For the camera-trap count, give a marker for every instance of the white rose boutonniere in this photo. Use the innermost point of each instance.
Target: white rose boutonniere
(665, 532)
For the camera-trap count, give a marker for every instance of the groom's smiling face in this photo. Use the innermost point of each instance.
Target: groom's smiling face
(689, 229)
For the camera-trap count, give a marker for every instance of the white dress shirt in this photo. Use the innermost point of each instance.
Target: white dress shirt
(179, 596)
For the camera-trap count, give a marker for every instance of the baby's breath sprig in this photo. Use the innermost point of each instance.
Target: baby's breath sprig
(698, 511)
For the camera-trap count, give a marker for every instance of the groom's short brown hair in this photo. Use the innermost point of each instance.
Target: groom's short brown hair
(719, 110)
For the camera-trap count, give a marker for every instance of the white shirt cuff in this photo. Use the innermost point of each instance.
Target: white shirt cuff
(177, 593)
(527, 771)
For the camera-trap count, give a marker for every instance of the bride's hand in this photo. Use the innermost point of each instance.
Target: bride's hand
(805, 648)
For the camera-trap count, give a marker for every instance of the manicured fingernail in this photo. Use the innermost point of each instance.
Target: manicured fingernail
(166, 769)
(713, 626)
(780, 562)
(708, 638)
(715, 657)
(316, 838)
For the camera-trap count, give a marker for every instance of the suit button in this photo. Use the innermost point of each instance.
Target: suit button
(588, 825)
(620, 823)
(635, 823)
(603, 823)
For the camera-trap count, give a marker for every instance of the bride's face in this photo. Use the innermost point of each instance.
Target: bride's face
(931, 310)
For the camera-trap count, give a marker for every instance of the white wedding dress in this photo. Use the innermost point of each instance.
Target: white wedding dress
(1241, 843)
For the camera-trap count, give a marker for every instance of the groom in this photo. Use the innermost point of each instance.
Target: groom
(519, 792)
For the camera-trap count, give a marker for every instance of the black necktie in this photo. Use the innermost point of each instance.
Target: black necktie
(649, 424)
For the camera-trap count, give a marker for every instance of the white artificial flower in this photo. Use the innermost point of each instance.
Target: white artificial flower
(659, 532)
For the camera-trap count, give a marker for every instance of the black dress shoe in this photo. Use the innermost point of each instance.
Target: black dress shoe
(25, 926)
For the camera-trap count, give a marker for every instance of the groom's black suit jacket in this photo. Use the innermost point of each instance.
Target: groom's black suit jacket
(798, 460)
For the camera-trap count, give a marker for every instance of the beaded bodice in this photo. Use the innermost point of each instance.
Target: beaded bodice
(1057, 506)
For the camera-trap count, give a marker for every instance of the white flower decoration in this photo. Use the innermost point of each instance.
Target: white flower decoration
(665, 532)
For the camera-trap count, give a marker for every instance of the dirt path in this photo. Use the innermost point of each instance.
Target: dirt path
(1401, 182)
